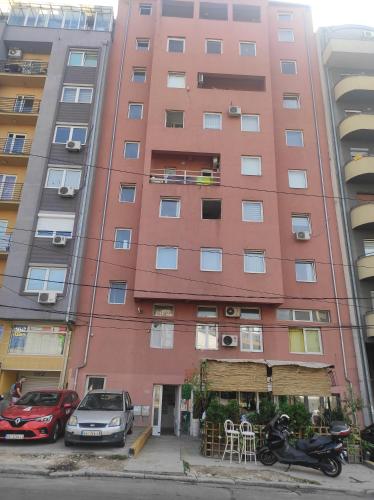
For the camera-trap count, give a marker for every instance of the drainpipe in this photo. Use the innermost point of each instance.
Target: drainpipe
(362, 364)
(106, 198)
(66, 352)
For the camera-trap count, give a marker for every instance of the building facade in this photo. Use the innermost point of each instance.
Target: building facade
(346, 54)
(213, 230)
(52, 74)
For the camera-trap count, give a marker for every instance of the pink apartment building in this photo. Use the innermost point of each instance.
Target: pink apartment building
(213, 232)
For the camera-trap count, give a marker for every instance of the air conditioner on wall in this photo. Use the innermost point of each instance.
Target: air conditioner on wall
(74, 146)
(302, 235)
(59, 241)
(229, 340)
(235, 111)
(47, 297)
(66, 192)
(232, 312)
(14, 53)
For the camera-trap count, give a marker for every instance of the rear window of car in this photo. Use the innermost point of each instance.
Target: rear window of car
(39, 399)
(105, 402)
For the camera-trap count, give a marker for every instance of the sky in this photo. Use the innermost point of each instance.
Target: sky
(325, 12)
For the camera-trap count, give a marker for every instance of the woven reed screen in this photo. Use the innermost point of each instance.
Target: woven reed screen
(300, 381)
(246, 377)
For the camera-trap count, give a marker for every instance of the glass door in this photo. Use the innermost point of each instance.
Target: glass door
(23, 104)
(4, 239)
(157, 410)
(7, 184)
(14, 143)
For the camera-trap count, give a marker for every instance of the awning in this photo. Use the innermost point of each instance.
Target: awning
(300, 381)
(242, 376)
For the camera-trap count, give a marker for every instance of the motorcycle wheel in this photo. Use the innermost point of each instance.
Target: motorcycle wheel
(267, 458)
(336, 467)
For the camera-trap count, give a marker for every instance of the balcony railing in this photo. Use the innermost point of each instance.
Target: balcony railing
(159, 176)
(25, 105)
(5, 241)
(15, 146)
(10, 192)
(24, 67)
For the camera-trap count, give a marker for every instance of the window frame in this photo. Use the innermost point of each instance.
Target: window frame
(251, 349)
(162, 334)
(301, 135)
(199, 310)
(77, 89)
(246, 42)
(143, 49)
(138, 151)
(158, 248)
(63, 180)
(214, 40)
(305, 331)
(246, 115)
(289, 96)
(178, 74)
(45, 280)
(147, 6)
(312, 262)
(289, 18)
(129, 240)
(215, 114)
(305, 175)
(71, 132)
(139, 69)
(163, 315)
(55, 216)
(141, 105)
(253, 202)
(244, 157)
(175, 39)
(205, 348)
(121, 187)
(305, 216)
(293, 61)
(178, 211)
(110, 288)
(83, 58)
(285, 30)
(255, 253)
(211, 250)
(173, 111)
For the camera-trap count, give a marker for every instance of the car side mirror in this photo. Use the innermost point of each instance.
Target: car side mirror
(67, 406)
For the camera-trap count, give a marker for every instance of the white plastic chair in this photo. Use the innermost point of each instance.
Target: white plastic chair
(232, 441)
(248, 442)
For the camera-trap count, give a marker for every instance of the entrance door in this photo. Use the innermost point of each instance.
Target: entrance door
(157, 410)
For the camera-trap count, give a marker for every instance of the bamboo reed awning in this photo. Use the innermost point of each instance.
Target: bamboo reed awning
(300, 381)
(241, 376)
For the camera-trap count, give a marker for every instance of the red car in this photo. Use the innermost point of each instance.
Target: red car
(38, 415)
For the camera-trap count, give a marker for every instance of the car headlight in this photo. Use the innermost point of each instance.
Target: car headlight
(73, 421)
(47, 419)
(115, 422)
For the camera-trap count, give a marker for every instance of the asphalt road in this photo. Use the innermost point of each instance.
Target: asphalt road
(40, 488)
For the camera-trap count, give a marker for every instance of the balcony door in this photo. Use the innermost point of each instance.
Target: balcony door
(14, 143)
(23, 104)
(7, 185)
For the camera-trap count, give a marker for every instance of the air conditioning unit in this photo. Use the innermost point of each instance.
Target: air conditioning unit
(235, 111)
(74, 146)
(15, 53)
(230, 340)
(47, 297)
(232, 312)
(66, 192)
(59, 241)
(302, 235)
(368, 34)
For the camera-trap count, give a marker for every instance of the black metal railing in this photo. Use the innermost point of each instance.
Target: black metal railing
(15, 146)
(5, 242)
(23, 105)
(10, 191)
(24, 67)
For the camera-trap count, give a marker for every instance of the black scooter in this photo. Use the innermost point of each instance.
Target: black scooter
(324, 453)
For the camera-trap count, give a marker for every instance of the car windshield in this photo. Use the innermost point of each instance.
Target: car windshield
(39, 399)
(106, 402)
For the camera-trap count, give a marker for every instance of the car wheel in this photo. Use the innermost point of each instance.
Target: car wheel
(68, 443)
(56, 431)
(121, 442)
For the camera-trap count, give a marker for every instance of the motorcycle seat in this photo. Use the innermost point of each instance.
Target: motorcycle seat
(313, 443)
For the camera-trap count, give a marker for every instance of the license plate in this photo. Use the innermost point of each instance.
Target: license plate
(91, 433)
(14, 436)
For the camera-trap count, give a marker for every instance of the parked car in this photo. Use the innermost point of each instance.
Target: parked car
(38, 415)
(101, 417)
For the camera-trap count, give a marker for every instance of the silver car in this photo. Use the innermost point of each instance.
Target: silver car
(101, 417)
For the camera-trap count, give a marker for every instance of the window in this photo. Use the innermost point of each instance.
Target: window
(77, 94)
(135, 111)
(252, 211)
(54, 224)
(170, 207)
(94, 382)
(127, 193)
(163, 310)
(247, 49)
(138, 75)
(167, 258)
(7, 186)
(295, 138)
(213, 46)
(210, 209)
(211, 10)
(122, 239)
(213, 121)
(162, 335)
(174, 119)
(176, 45)
(82, 58)
(247, 13)
(176, 80)
(177, 8)
(211, 259)
(45, 279)
(291, 101)
(250, 313)
(369, 247)
(66, 133)
(285, 16)
(286, 36)
(207, 312)
(305, 271)
(358, 153)
(59, 177)
(117, 292)
(145, 9)
(207, 336)
(254, 261)
(33, 340)
(250, 123)
(250, 165)
(301, 223)
(288, 67)
(305, 340)
(251, 338)
(14, 143)
(142, 44)
(132, 150)
(303, 315)
(297, 179)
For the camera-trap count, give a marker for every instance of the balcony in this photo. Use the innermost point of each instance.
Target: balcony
(365, 267)
(10, 194)
(357, 126)
(5, 241)
(23, 73)
(362, 215)
(357, 89)
(360, 170)
(19, 110)
(344, 53)
(15, 150)
(160, 176)
(369, 319)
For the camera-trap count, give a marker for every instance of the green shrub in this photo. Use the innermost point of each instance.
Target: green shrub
(218, 413)
(299, 415)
